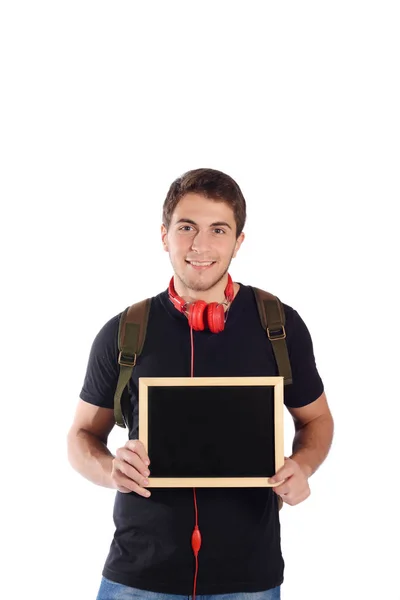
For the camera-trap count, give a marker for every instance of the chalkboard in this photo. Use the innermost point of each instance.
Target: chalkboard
(212, 431)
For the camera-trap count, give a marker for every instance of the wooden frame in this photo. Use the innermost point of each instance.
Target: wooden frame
(276, 382)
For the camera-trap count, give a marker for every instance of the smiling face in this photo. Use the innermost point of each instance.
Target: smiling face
(201, 242)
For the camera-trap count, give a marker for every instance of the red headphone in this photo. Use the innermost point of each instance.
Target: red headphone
(200, 313)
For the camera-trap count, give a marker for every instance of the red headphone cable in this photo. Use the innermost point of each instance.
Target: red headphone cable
(181, 306)
(196, 535)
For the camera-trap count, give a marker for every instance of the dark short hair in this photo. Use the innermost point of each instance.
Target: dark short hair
(212, 184)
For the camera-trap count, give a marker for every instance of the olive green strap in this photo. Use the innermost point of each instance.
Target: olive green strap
(272, 317)
(131, 338)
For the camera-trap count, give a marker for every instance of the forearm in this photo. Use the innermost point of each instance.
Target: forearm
(312, 442)
(90, 457)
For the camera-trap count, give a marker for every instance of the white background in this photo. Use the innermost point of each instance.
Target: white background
(103, 105)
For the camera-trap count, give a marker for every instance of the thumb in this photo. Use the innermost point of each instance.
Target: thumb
(282, 473)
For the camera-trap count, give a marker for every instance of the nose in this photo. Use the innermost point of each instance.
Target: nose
(201, 242)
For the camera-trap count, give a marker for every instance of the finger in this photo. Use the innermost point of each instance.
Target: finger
(282, 490)
(293, 500)
(275, 482)
(122, 489)
(138, 447)
(277, 479)
(283, 473)
(124, 483)
(131, 458)
(133, 470)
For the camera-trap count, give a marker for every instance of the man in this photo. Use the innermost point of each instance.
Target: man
(150, 555)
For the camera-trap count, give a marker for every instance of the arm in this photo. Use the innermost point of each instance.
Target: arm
(87, 443)
(311, 444)
(94, 419)
(313, 434)
(89, 455)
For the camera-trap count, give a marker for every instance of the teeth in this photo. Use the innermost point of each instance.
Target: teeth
(201, 264)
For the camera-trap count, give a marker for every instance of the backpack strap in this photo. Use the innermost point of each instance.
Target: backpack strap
(272, 317)
(131, 337)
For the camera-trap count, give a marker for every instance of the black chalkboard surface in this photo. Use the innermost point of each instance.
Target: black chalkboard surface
(209, 432)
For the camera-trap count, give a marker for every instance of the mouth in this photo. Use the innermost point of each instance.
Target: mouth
(200, 265)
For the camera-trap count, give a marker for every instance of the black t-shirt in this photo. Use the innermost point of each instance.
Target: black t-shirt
(240, 528)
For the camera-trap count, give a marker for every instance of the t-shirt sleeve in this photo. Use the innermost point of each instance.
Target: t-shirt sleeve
(102, 369)
(307, 384)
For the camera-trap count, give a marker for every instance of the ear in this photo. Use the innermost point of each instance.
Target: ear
(164, 237)
(239, 242)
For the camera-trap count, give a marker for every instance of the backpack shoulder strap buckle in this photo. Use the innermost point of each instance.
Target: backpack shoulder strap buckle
(277, 334)
(272, 317)
(131, 339)
(126, 360)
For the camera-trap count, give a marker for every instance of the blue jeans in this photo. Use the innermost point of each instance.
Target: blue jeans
(109, 590)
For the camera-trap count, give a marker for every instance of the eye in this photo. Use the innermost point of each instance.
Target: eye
(185, 228)
(219, 230)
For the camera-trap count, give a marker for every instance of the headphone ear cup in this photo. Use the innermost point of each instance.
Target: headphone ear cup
(196, 315)
(216, 317)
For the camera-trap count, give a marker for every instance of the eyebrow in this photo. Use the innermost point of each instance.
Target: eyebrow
(216, 224)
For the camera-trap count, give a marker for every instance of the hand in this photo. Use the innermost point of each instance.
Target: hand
(294, 486)
(130, 468)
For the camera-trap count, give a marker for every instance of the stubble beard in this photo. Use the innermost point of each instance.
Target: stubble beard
(203, 286)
